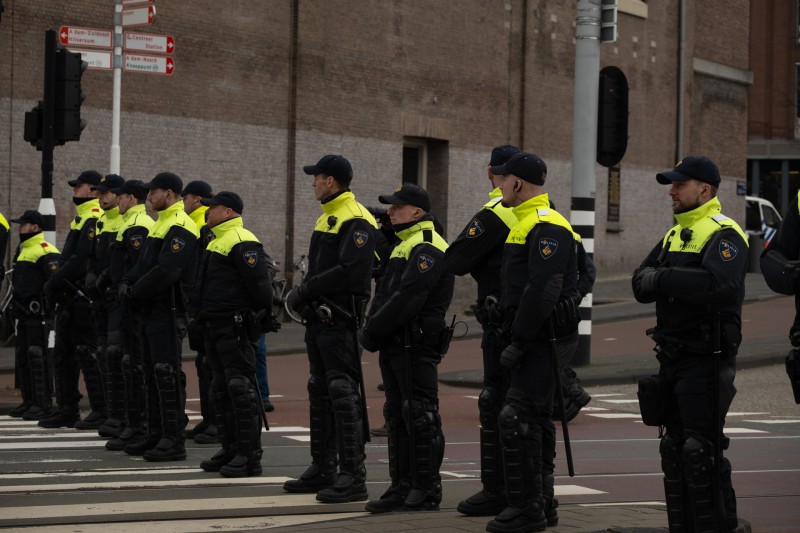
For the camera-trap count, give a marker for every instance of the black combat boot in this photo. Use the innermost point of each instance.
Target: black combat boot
(247, 423)
(170, 446)
(66, 417)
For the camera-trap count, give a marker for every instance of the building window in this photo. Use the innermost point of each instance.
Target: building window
(415, 162)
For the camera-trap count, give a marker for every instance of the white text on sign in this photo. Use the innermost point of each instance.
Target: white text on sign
(98, 60)
(149, 64)
(145, 42)
(72, 35)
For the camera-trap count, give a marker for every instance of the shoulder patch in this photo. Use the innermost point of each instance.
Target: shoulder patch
(251, 258)
(475, 229)
(90, 234)
(360, 237)
(45, 245)
(424, 262)
(136, 241)
(53, 265)
(727, 250)
(177, 244)
(547, 247)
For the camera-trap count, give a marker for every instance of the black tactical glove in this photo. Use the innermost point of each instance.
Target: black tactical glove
(366, 341)
(124, 292)
(511, 358)
(90, 283)
(645, 283)
(268, 322)
(103, 282)
(297, 301)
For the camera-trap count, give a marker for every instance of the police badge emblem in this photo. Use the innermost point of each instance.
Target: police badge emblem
(475, 229)
(547, 247)
(136, 241)
(251, 258)
(360, 238)
(424, 262)
(727, 250)
(53, 265)
(177, 244)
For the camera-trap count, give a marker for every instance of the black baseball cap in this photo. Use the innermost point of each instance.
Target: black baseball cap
(523, 165)
(133, 187)
(92, 177)
(31, 216)
(408, 194)
(166, 181)
(109, 182)
(501, 154)
(198, 188)
(336, 166)
(697, 167)
(226, 198)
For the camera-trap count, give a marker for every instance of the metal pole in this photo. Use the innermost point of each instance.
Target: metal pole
(46, 205)
(113, 165)
(584, 148)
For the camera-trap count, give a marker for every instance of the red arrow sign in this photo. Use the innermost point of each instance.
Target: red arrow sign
(145, 42)
(148, 64)
(75, 36)
(138, 16)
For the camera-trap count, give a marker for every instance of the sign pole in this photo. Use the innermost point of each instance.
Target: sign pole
(47, 206)
(584, 149)
(114, 165)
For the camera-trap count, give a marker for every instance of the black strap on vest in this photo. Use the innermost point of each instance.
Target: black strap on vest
(427, 235)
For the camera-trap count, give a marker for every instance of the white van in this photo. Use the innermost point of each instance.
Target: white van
(762, 219)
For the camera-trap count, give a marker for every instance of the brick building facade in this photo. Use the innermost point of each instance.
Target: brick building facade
(426, 87)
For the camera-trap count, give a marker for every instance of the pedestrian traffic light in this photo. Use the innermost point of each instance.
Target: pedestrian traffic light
(33, 126)
(612, 117)
(68, 97)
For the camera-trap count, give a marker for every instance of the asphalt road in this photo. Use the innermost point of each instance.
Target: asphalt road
(51, 480)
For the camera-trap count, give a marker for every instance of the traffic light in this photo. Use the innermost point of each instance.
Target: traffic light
(68, 97)
(608, 21)
(612, 117)
(33, 126)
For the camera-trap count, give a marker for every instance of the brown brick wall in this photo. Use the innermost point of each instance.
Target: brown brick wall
(369, 74)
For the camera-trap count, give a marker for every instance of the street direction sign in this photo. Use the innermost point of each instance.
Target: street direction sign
(145, 42)
(148, 64)
(97, 59)
(75, 36)
(138, 16)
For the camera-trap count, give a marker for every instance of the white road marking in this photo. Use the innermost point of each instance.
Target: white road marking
(744, 413)
(594, 409)
(52, 445)
(614, 415)
(620, 401)
(156, 506)
(113, 485)
(773, 421)
(472, 397)
(741, 430)
(606, 395)
(99, 473)
(621, 504)
(299, 438)
(204, 525)
(460, 474)
(575, 490)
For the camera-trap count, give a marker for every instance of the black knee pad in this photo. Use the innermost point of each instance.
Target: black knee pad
(512, 423)
(241, 391)
(341, 387)
(165, 375)
(490, 402)
(114, 351)
(35, 353)
(317, 388)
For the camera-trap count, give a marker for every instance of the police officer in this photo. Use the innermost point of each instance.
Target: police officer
(539, 272)
(696, 274)
(193, 194)
(330, 299)
(126, 379)
(75, 333)
(478, 251)
(234, 287)
(406, 323)
(5, 231)
(97, 282)
(34, 262)
(154, 284)
(780, 266)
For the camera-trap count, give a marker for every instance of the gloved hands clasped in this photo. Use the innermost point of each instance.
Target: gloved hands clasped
(645, 282)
